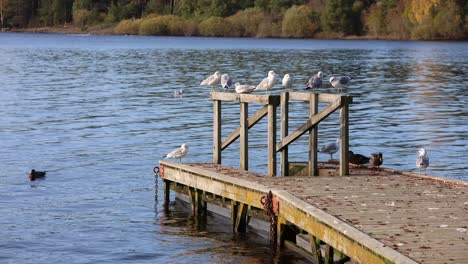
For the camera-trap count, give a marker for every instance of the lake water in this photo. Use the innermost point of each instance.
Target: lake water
(98, 112)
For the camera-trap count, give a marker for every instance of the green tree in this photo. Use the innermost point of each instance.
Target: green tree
(338, 16)
(300, 22)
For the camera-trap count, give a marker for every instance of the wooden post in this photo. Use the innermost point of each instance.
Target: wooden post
(244, 138)
(284, 132)
(241, 218)
(167, 191)
(271, 139)
(329, 254)
(217, 131)
(344, 137)
(313, 136)
(315, 248)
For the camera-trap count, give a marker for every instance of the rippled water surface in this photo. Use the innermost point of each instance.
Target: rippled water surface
(97, 112)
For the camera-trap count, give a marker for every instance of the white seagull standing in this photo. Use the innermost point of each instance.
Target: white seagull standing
(267, 83)
(422, 161)
(178, 153)
(226, 81)
(244, 88)
(287, 81)
(331, 148)
(314, 81)
(212, 80)
(340, 82)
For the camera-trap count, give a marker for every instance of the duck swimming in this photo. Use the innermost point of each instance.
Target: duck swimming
(36, 174)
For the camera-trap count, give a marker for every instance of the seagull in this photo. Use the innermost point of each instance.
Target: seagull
(357, 159)
(287, 81)
(267, 83)
(244, 88)
(340, 82)
(36, 174)
(212, 80)
(178, 153)
(178, 92)
(226, 81)
(376, 159)
(331, 148)
(422, 161)
(314, 81)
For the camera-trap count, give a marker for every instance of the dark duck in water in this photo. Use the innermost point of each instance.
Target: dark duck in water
(36, 174)
(357, 159)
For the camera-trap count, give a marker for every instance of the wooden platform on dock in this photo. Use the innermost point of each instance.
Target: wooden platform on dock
(384, 218)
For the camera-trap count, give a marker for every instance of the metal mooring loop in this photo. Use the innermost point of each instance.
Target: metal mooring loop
(156, 170)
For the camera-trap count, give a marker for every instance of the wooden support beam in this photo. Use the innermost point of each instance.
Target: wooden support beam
(167, 191)
(241, 218)
(193, 199)
(313, 137)
(217, 132)
(271, 140)
(284, 132)
(344, 138)
(233, 208)
(315, 249)
(329, 254)
(322, 97)
(244, 98)
(309, 124)
(280, 231)
(244, 136)
(254, 119)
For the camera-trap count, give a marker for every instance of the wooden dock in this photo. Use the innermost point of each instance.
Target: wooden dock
(343, 213)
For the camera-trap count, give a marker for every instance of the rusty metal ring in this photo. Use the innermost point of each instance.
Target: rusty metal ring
(156, 170)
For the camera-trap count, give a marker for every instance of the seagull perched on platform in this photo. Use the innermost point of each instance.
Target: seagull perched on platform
(226, 81)
(357, 159)
(422, 161)
(178, 153)
(244, 88)
(340, 82)
(314, 81)
(287, 81)
(331, 148)
(36, 174)
(267, 83)
(212, 80)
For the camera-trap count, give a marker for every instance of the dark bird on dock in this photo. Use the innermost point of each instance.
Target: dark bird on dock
(314, 81)
(178, 153)
(36, 174)
(422, 161)
(376, 159)
(357, 159)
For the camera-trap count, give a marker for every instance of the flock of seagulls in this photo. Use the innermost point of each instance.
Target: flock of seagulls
(225, 80)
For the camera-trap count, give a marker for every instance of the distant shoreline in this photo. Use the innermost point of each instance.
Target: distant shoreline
(99, 30)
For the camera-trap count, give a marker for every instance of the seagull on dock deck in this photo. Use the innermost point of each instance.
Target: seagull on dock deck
(212, 80)
(36, 174)
(314, 81)
(287, 81)
(340, 82)
(331, 148)
(226, 81)
(244, 88)
(267, 83)
(422, 161)
(178, 153)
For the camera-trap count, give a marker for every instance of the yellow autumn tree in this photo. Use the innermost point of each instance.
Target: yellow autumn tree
(418, 10)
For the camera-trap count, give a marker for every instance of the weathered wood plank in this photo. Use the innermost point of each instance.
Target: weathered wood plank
(322, 97)
(313, 137)
(217, 132)
(284, 164)
(308, 125)
(254, 119)
(244, 136)
(245, 98)
(271, 140)
(344, 138)
(167, 191)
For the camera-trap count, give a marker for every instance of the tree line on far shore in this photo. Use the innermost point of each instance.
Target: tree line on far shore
(389, 19)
